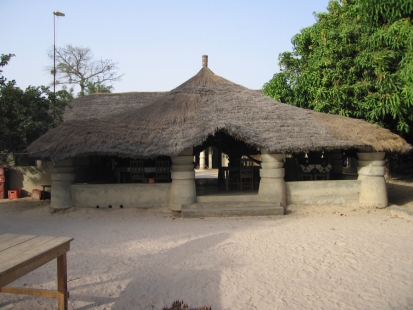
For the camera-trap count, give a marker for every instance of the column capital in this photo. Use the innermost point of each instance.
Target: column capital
(371, 156)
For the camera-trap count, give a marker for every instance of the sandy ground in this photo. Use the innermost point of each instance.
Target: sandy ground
(315, 257)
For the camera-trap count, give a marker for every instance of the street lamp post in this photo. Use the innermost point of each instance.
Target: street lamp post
(55, 13)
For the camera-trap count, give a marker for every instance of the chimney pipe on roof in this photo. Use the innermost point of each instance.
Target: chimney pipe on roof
(204, 60)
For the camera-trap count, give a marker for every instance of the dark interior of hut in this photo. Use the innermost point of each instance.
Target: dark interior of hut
(112, 169)
(298, 166)
(228, 177)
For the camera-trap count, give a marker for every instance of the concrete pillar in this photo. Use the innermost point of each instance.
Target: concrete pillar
(202, 160)
(63, 175)
(336, 161)
(371, 169)
(183, 190)
(272, 184)
(224, 160)
(210, 157)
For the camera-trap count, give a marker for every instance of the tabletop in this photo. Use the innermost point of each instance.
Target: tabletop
(20, 254)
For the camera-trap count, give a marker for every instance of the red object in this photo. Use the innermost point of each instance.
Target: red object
(36, 194)
(4, 185)
(13, 194)
(3, 190)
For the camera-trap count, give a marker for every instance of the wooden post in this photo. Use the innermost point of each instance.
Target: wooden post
(62, 282)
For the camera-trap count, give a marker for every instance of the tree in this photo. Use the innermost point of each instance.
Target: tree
(97, 88)
(356, 60)
(26, 115)
(76, 65)
(4, 60)
(384, 12)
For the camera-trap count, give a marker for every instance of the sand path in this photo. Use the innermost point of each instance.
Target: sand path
(315, 257)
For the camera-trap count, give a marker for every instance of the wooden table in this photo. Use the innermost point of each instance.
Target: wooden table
(21, 254)
(224, 174)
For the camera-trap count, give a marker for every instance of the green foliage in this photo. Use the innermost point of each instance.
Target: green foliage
(4, 60)
(96, 88)
(356, 60)
(26, 115)
(382, 12)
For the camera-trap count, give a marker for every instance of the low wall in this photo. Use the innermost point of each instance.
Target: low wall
(134, 195)
(323, 192)
(138, 195)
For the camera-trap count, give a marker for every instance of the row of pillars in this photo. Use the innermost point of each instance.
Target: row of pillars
(371, 170)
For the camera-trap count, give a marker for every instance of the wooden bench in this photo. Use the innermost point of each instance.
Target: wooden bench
(21, 254)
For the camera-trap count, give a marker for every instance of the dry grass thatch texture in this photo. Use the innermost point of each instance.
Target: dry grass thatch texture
(102, 105)
(362, 132)
(200, 107)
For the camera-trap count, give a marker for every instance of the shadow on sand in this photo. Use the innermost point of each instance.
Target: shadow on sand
(175, 270)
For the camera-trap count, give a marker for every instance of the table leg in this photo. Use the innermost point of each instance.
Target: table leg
(62, 282)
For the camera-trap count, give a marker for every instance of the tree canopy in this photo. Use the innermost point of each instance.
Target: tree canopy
(97, 88)
(26, 115)
(77, 66)
(356, 60)
(4, 60)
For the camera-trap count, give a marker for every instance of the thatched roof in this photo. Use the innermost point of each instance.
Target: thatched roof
(201, 107)
(102, 105)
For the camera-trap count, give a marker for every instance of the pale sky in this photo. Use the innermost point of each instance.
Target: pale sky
(157, 44)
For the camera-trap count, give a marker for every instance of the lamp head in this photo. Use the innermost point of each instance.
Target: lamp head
(57, 13)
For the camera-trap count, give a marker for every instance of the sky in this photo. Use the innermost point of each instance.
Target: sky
(157, 44)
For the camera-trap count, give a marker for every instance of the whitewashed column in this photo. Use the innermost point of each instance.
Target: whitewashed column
(210, 157)
(224, 160)
(63, 175)
(202, 160)
(183, 190)
(371, 169)
(272, 184)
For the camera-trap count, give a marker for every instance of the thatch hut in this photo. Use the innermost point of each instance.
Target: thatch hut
(210, 110)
